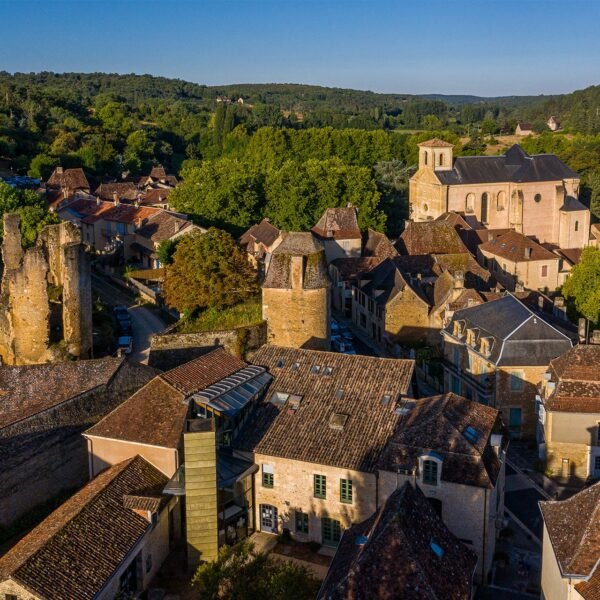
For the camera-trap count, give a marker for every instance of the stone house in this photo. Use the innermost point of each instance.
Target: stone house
(454, 450)
(497, 353)
(553, 123)
(524, 129)
(259, 242)
(296, 294)
(158, 228)
(44, 410)
(519, 261)
(338, 229)
(316, 437)
(157, 179)
(571, 547)
(64, 183)
(569, 414)
(403, 546)
(534, 195)
(430, 237)
(107, 541)
(124, 191)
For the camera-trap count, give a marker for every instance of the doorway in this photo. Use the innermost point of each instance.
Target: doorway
(268, 518)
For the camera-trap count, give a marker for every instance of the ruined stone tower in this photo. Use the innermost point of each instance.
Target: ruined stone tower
(296, 294)
(30, 315)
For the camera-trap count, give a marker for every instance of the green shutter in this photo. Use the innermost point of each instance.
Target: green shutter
(320, 486)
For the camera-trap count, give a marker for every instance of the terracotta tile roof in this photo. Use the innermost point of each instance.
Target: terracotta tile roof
(155, 196)
(314, 264)
(123, 190)
(261, 233)
(28, 390)
(577, 377)
(377, 244)
(590, 589)
(158, 172)
(338, 223)
(525, 126)
(517, 247)
(156, 413)
(75, 550)
(163, 226)
(396, 560)
(201, 372)
(89, 211)
(430, 237)
(435, 143)
(574, 529)
(70, 179)
(457, 220)
(438, 424)
(468, 297)
(571, 255)
(349, 385)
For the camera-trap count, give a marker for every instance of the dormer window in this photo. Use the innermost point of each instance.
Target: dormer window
(471, 337)
(458, 328)
(486, 346)
(430, 468)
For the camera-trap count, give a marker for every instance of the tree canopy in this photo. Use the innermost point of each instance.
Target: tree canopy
(241, 573)
(208, 270)
(583, 285)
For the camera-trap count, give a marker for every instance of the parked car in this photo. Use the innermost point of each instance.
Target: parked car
(125, 344)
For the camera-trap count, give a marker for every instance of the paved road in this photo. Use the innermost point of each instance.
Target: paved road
(144, 321)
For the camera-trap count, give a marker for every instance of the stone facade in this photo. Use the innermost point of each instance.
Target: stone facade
(58, 259)
(45, 455)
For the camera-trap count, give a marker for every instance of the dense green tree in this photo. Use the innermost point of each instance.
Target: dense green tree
(582, 287)
(241, 573)
(209, 270)
(42, 166)
(166, 250)
(591, 191)
(392, 180)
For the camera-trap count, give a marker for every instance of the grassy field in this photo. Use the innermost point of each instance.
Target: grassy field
(212, 319)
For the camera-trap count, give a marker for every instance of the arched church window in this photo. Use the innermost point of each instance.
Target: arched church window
(470, 203)
(441, 160)
(501, 201)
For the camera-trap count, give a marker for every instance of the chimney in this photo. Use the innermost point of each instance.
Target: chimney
(116, 199)
(519, 286)
(297, 272)
(582, 330)
(595, 337)
(559, 309)
(139, 222)
(98, 201)
(177, 225)
(496, 442)
(528, 252)
(59, 170)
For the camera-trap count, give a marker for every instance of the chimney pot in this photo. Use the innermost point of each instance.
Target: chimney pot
(595, 336)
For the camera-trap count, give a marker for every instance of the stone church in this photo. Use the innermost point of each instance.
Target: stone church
(534, 195)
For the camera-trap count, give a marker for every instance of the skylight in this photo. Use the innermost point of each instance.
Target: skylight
(339, 393)
(280, 364)
(328, 371)
(472, 434)
(386, 399)
(295, 366)
(315, 369)
(437, 549)
(338, 420)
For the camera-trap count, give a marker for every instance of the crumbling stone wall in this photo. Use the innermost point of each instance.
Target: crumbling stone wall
(57, 259)
(45, 454)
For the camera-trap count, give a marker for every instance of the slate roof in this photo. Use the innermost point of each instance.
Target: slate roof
(574, 530)
(378, 245)
(314, 265)
(77, 548)
(123, 190)
(163, 226)
(430, 237)
(396, 560)
(70, 179)
(28, 390)
(262, 233)
(438, 424)
(352, 267)
(577, 377)
(520, 337)
(517, 247)
(156, 413)
(355, 386)
(338, 223)
(514, 166)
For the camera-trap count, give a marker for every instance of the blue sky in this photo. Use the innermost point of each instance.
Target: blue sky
(484, 47)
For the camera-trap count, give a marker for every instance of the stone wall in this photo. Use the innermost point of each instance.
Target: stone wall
(45, 455)
(57, 259)
(172, 349)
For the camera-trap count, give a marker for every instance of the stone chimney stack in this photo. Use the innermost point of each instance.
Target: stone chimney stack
(59, 170)
(559, 309)
(116, 200)
(595, 337)
(527, 253)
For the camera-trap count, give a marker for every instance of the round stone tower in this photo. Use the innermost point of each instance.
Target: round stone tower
(296, 294)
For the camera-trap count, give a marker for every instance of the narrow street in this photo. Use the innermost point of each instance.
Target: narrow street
(145, 322)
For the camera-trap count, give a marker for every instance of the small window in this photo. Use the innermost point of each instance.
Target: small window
(516, 381)
(301, 522)
(339, 394)
(436, 549)
(424, 158)
(316, 369)
(267, 476)
(346, 491)
(320, 486)
(576, 225)
(544, 271)
(537, 198)
(441, 160)
(295, 366)
(425, 208)
(430, 472)
(331, 532)
(346, 245)
(471, 434)
(328, 371)
(386, 399)
(597, 463)
(337, 421)
(280, 364)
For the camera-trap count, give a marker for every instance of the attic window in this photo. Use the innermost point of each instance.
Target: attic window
(279, 398)
(315, 369)
(280, 364)
(386, 399)
(295, 366)
(339, 393)
(338, 420)
(328, 371)
(436, 549)
(472, 434)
